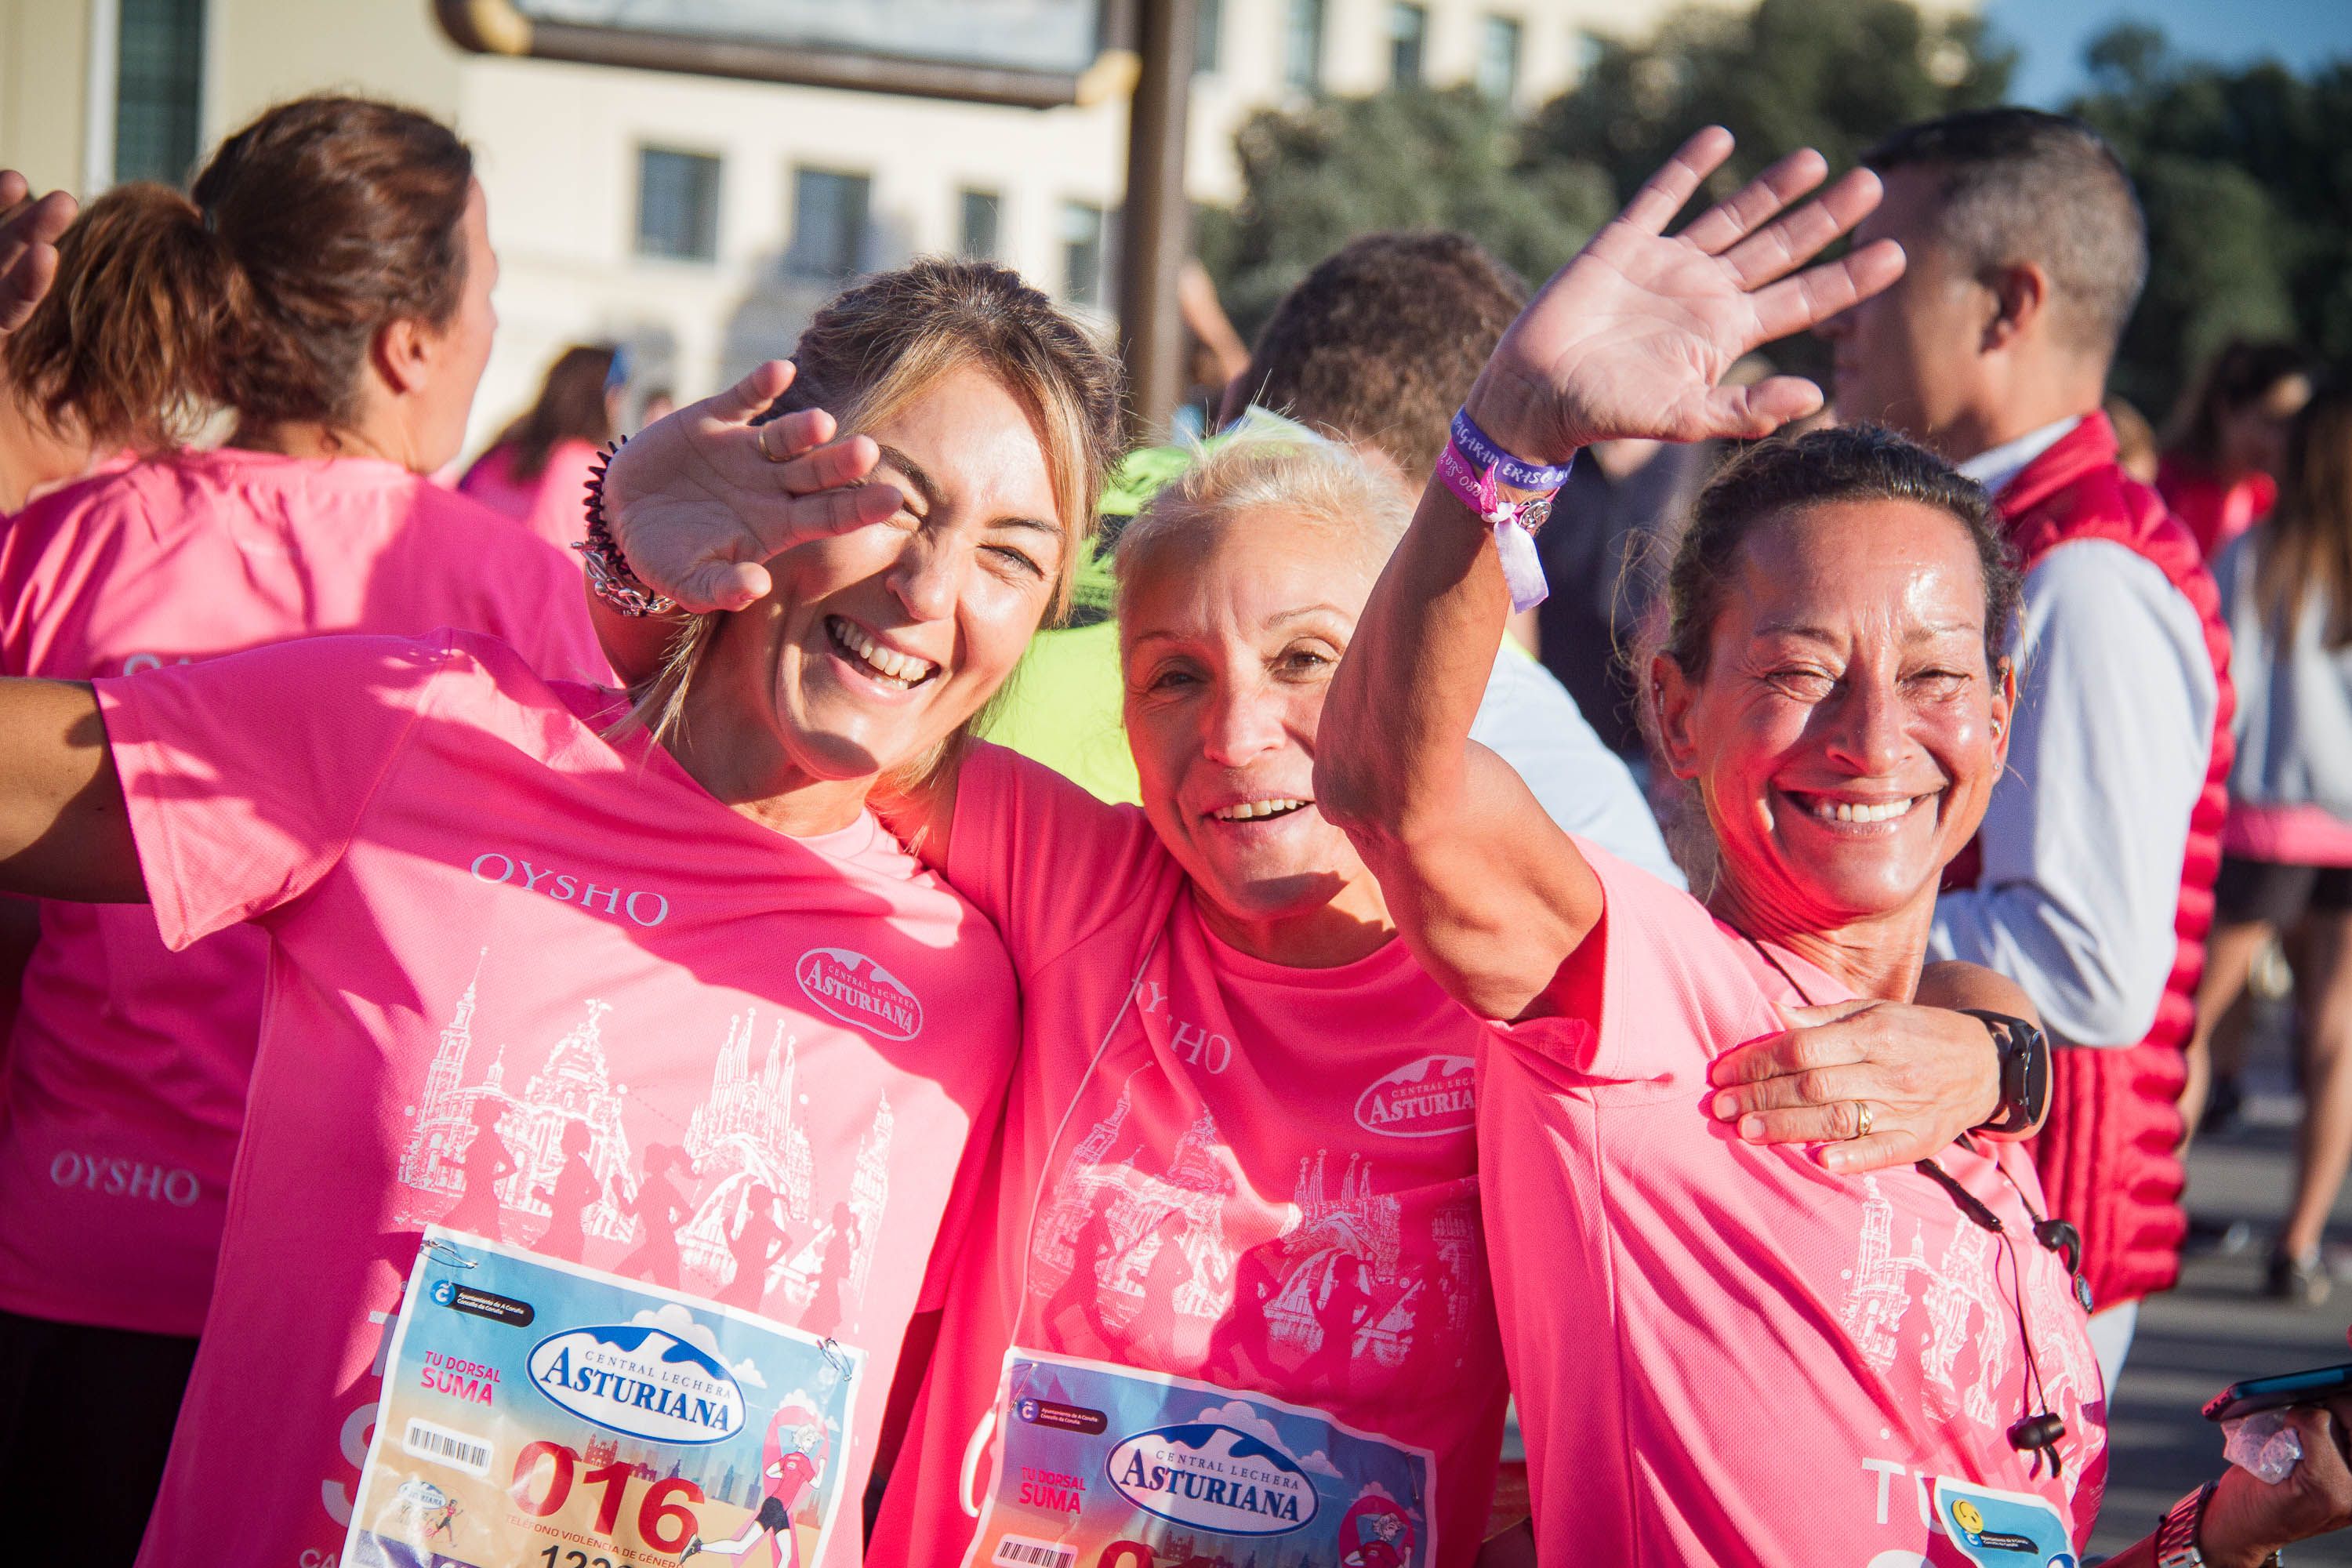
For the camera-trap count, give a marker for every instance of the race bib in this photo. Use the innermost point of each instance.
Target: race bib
(538, 1413)
(2004, 1529)
(1106, 1467)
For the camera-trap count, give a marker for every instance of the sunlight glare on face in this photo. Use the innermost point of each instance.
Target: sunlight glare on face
(1843, 737)
(1231, 636)
(874, 646)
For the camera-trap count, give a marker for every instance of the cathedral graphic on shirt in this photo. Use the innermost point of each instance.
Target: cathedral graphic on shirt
(1186, 1265)
(1960, 1294)
(728, 1204)
(1119, 1239)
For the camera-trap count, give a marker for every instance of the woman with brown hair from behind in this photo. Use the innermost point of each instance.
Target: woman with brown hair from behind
(324, 293)
(2287, 864)
(538, 469)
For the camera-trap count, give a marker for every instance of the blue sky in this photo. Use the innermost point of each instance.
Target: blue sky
(2051, 34)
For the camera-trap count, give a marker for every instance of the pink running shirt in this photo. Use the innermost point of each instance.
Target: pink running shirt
(127, 1080)
(533, 985)
(552, 505)
(1262, 1155)
(1722, 1353)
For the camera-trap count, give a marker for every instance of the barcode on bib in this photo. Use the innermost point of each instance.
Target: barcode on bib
(426, 1441)
(1018, 1552)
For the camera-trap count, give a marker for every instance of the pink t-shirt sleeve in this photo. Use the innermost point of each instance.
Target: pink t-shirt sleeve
(246, 776)
(1674, 991)
(1047, 860)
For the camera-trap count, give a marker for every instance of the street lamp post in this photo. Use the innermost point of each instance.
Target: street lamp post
(1156, 221)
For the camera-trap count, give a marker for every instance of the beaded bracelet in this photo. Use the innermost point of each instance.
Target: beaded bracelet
(609, 575)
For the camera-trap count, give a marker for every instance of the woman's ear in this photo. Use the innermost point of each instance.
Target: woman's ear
(2004, 711)
(402, 354)
(1672, 696)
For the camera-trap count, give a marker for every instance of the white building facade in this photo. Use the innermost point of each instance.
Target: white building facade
(697, 220)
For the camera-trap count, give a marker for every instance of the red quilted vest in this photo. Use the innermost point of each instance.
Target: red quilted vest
(2106, 1154)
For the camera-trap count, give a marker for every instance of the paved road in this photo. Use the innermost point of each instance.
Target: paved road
(2217, 1328)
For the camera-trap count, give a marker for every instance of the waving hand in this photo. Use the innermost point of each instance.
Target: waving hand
(699, 501)
(1632, 338)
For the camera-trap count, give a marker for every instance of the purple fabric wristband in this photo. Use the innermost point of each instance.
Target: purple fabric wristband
(1513, 523)
(1485, 457)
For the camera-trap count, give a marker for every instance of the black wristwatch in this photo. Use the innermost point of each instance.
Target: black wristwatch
(2024, 1054)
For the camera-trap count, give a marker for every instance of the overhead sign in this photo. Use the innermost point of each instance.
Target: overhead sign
(1031, 53)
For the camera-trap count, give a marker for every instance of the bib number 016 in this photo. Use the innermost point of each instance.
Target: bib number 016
(664, 1521)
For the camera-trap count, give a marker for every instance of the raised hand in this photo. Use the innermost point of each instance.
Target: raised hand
(28, 246)
(700, 500)
(1634, 336)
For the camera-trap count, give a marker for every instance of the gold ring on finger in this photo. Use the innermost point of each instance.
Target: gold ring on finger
(762, 439)
(1862, 1116)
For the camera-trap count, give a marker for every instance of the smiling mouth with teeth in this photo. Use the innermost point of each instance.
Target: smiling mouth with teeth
(1254, 810)
(1863, 811)
(886, 666)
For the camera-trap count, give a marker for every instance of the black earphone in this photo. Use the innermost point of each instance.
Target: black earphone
(2040, 1432)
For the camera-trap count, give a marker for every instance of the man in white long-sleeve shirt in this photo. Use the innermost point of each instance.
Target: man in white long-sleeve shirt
(2026, 253)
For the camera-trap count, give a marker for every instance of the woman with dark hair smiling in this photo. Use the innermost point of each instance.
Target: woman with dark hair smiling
(1758, 1343)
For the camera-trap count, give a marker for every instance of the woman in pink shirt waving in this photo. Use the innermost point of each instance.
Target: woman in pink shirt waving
(1726, 1352)
(591, 970)
(324, 291)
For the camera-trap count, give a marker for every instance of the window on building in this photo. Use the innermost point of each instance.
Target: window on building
(1208, 36)
(1588, 50)
(1082, 254)
(678, 204)
(829, 210)
(158, 83)
(1302, 53)
(1498, 58)
(980, 210)
(1408, 39)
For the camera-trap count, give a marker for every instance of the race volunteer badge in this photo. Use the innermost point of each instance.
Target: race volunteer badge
(2003, 1530)
(1106, 1467)
(538, 1413)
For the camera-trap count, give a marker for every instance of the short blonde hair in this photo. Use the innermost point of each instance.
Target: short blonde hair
(1266, 464)
(881, 346)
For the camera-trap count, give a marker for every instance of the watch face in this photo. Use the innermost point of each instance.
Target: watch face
(2033, 1051)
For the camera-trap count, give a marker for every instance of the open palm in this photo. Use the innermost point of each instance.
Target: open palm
(700, 500)
(1634, 337)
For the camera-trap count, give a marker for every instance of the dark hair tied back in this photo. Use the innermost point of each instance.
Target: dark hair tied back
(262, 290)
(1850, 463)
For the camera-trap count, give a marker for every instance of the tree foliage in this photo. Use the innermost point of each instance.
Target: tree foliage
(1834, 75)
(2245, 171)
(1423, 158)
(2246, 175)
